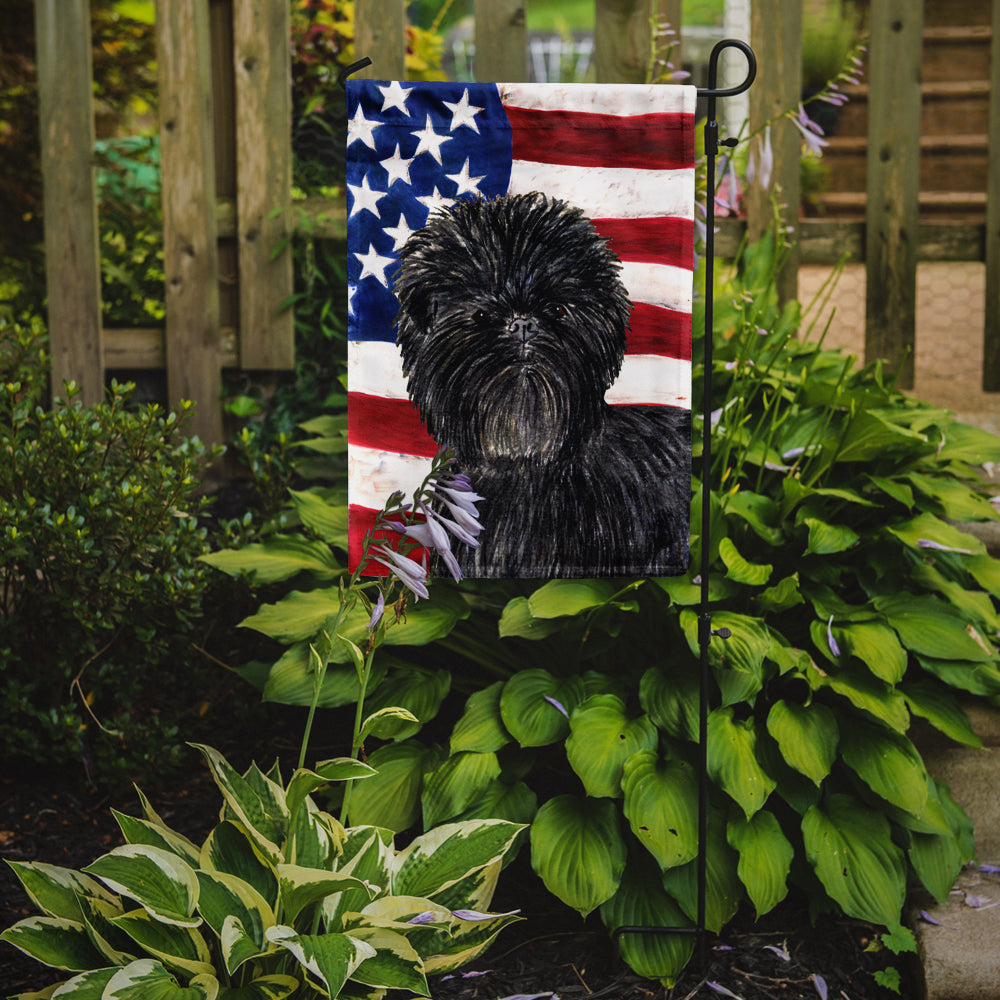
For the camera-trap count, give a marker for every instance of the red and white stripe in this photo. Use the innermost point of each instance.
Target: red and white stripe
(625, 156)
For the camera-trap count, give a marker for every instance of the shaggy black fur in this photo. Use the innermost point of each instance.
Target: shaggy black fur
(512, 326)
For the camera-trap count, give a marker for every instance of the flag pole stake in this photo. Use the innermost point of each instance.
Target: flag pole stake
(705, 630)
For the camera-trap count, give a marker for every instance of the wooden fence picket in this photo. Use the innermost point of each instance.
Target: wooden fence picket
(991, 332)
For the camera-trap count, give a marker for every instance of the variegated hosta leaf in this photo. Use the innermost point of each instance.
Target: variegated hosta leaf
(54, 941)
(807, 736)
(765, 858)
(850, 847)
(147, 979)
(225, 897)
(578, 851)
(367, 853)
(177, 947)
(602, 737)
(466, 941)
(732, 760)
(256, 801)
(274, 987)
(661, 799)
(642, 902)
(395, 964)
(315, 838)
(141, 831)
(230, 849)
(475, 891)
(158, 880)
(441, 857)
(56, 891)
(116, 946)
(86, 986)
(329, 959)
(481, 727)
(300, 887)
(304, 782)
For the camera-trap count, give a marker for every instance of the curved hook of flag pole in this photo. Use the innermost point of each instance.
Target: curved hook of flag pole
(352, 68)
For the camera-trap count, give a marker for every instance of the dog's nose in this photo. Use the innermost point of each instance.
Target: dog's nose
(522, 327)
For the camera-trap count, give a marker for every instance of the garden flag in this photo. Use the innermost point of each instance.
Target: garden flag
(520, 279)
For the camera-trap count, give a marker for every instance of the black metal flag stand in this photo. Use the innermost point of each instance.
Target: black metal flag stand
(705, 631)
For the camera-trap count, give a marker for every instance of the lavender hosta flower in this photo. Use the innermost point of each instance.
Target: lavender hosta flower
(377, 612)
(411, 574)
(427, 917)
(812, 134)
(927, 543)
(761, 164)
(834, 648)
(432, 536)
(557, 704)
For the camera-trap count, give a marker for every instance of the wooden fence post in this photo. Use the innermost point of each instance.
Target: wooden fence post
(190, 251)
(380, 34)
(262, 61)
(621, 40)
(991, 333)
(501, 41)
(893, 183)
(776, 35)
(72, 255)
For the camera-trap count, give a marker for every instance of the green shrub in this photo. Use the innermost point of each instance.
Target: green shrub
(855, 604)
(99, 539)
(279, 900)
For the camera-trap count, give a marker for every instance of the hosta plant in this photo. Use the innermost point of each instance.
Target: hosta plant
(279, 900)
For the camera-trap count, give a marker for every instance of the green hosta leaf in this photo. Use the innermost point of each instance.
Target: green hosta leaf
(147, 979)
(641, 901)
(180, 948)
(765, 858)
(602, 738)
(684, 592)
(517, 620)
(671, 699)
(415, 689)
(456, 784)
(391, 798)
(957, 501)
(275, 987)
(876, 646)
(965, 443)
(56, 891)
(304, 782)
(141, 831)
(937, 860)
(738, 661)
(931, 628)
(976, 678)
(973, 604)
(941, 709)
(893, 488)
(325, 519)
(739, 569)
(443, 856)
(527, 711)
(732, 760)
(928, 528)
(225, 897)
(301, 887)
(758, 511)
(807, 736)
(330, 959)
(986, 571)
(828, 539)
(888, 763)
(159, 881)
(481, 728)
(515, 803)
(291, 680)
(865, 692)
(783, 595)
(279, 558)
(54, 941)
(395, 964)
(661, 798)
(578, 851)
(870, 436)
(558, 598)
(850, 847)
(260, 809)
(723, 889)
(230, 849)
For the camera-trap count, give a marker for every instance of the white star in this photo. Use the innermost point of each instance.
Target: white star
(430, 141)
(364, 197)
(351, 289)
(373, 265)
(466, 184)
(435, 201)
(397, 168)
(395, 97)
(400, 233)
(360, 128)
(463, 113)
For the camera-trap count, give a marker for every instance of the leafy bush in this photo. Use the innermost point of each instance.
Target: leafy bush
(279, 899)
(99, 539)
(855, 604)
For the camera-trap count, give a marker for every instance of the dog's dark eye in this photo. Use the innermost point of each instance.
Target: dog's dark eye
(480, 316)
(558, 311)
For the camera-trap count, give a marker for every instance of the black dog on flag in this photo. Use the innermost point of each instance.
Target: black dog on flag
(512, 326)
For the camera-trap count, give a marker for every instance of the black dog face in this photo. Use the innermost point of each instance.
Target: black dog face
(512, 326)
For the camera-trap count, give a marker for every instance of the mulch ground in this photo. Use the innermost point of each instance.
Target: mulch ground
(550, 953)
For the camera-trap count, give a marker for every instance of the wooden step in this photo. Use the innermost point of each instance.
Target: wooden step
(947, 162)
(947, 106)
(939, 13)
(957, 206)
(956, 53)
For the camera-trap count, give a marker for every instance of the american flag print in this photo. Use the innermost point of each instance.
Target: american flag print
(622, 154)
